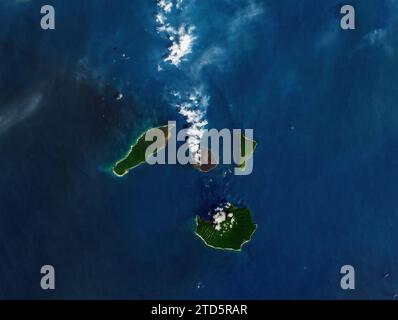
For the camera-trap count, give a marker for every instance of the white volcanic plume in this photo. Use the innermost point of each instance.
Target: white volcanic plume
(182, 37)
(181, 46)
(173, 22)
(191, 105)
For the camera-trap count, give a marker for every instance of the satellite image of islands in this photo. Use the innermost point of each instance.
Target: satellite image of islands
(192, 150)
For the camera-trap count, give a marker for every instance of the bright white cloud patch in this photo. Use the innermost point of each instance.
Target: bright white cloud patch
(220, 217)
(193, 107)
(181, 46)
(165, 5)
(181, 37)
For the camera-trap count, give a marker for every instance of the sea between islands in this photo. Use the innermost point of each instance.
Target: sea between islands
(230, 227)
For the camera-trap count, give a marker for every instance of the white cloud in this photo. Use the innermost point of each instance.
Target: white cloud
(181, 33)
(181, 37)
(181, 46)
(165, 5)
(193, 107)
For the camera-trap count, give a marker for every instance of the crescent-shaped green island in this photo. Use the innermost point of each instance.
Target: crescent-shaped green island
(230, 228)
(246, 154)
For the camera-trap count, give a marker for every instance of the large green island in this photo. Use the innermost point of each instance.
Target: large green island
(230, 228)
(136, 156)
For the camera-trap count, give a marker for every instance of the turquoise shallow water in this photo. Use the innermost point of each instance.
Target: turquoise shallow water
(323, 190)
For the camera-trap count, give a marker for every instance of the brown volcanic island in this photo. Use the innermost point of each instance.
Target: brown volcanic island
(210, 164)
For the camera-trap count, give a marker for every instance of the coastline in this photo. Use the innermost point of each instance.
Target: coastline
(220, 248)
(131, 149)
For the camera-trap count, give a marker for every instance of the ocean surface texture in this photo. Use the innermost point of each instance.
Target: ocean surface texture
(323, 103)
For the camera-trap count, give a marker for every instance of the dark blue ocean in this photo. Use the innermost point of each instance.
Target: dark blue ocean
(323, 104)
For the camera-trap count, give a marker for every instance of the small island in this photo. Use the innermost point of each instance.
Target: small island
(210, 164)
(230, 228)
(136, 156)
(245, 155)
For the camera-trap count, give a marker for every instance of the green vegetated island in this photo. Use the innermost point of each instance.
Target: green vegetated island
(246, 154)
(230, 228)
(136, 156)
